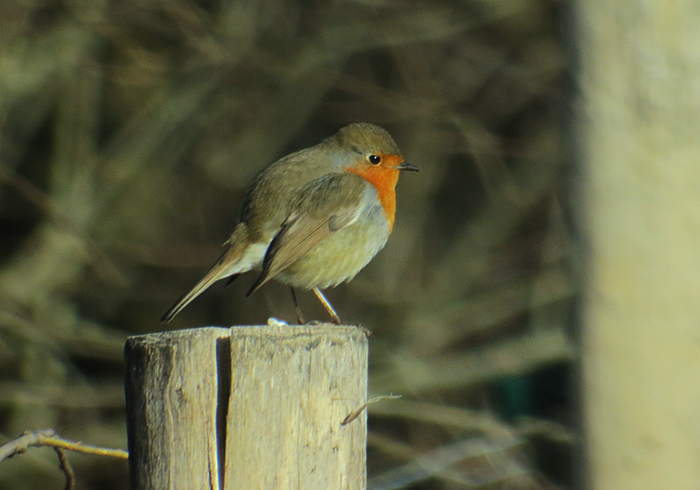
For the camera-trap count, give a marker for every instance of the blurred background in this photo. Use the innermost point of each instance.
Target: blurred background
(129, 131)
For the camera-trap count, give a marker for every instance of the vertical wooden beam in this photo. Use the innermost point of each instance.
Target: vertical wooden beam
(248, 407)
(291, 389)
(172, 398)
(640, 120)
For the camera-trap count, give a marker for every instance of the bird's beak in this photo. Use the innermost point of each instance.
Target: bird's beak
(407, 166)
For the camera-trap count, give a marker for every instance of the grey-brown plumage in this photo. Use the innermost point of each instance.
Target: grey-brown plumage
(315, 218)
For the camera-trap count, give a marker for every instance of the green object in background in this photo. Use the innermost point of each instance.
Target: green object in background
(515, 395)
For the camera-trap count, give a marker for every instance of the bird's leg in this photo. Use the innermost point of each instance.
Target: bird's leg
(300, 316)
(326, 304)
(334, 316)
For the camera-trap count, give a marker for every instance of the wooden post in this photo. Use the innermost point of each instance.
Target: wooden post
(172, 399)
(640, 114)
(247, 408)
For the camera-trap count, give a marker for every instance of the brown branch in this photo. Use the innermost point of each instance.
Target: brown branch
(67, 469)
(49, 438)
(62, 220)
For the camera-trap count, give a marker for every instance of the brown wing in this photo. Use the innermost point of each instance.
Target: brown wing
(325, 206)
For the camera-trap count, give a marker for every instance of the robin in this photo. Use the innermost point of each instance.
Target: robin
(315, 218)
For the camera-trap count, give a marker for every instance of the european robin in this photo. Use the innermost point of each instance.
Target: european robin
(315, 218)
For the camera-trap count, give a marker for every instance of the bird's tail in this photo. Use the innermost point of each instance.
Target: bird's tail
(227, 265)
(215, 273)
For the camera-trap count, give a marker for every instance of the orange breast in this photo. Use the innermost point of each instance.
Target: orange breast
(384, 179)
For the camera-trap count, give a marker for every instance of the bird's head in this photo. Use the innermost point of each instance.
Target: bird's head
(370, 152)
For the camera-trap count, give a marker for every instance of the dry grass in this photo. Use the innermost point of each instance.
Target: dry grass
(128, 132)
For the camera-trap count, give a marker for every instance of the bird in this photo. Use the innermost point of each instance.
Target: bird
(315, 218)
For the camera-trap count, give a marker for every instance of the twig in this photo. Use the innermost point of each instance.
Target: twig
(438, 463)
(356, 413)
(101, 262)
(66, 468)
(49, 438)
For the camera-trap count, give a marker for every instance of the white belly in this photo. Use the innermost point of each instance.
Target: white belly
(341, 256)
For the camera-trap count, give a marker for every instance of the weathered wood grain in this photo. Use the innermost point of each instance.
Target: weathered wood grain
(248, 408)
(291, 389)
(172, 396)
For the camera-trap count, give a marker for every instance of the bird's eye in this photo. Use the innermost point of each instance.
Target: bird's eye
(374, 159)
